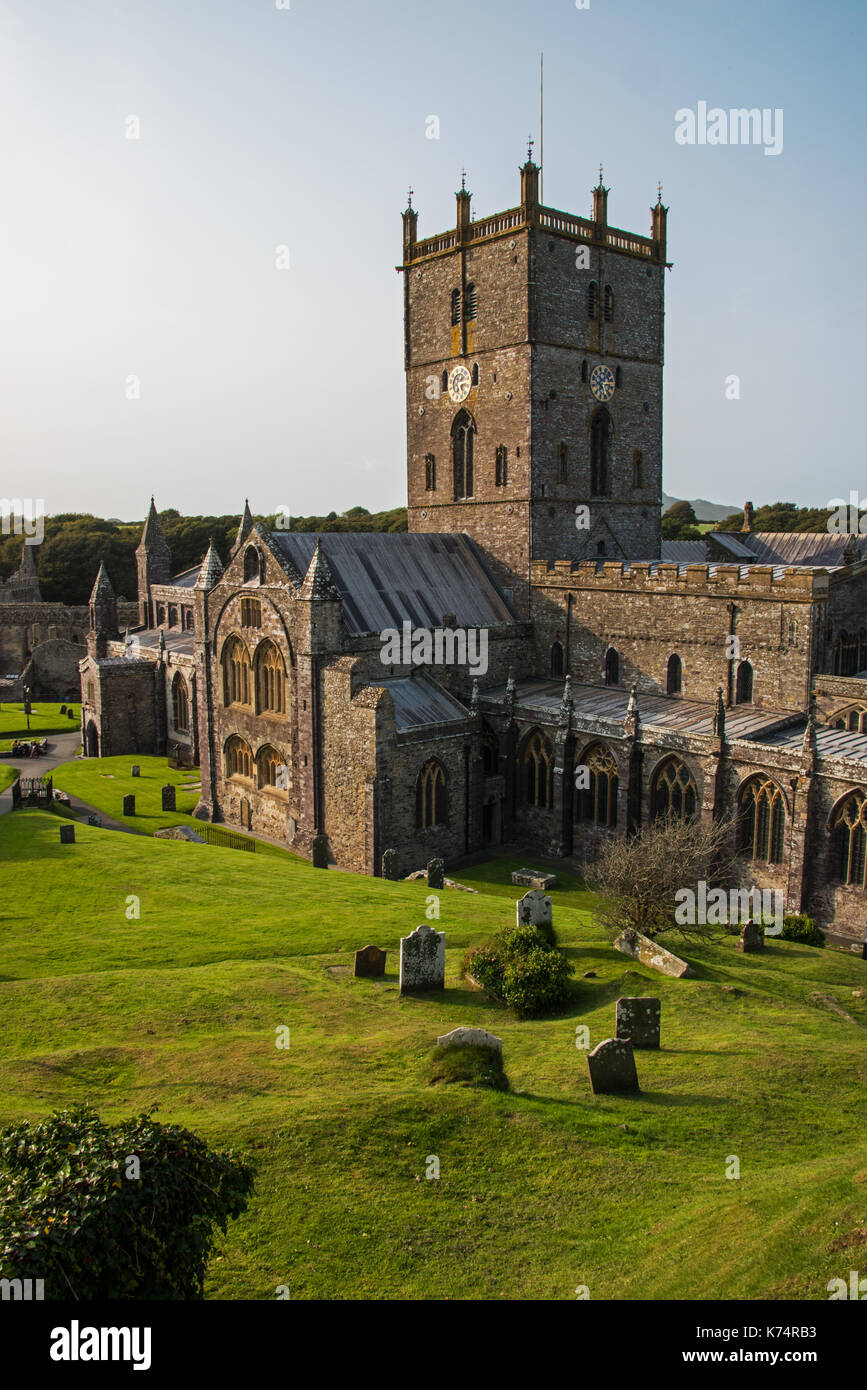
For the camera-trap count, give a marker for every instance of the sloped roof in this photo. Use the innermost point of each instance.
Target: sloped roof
(385, 579)
(418, 700)
(684, 552)
(795, 547)
(830, 743)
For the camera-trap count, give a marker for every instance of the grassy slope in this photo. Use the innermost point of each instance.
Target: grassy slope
(541, 1188)
(7, 776)
(104, 782)
(44, 719)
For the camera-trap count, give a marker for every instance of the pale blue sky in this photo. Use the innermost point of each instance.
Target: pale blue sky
(303, 127)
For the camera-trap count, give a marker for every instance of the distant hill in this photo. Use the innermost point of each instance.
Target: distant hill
(704, 511)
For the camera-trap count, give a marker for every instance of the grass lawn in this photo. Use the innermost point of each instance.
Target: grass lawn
(44, 719)
(104, 782)
(542, 1188)
(7, 776)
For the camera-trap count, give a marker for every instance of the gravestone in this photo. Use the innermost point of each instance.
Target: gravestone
(470, 1037)
(422, 959)
(70, 714)
(67, 834)
(639, 947)
(638, 1019)
(369, 963)
(533, 878)
(435, 873)
(752, 938)
(135, 770)
(611, 1067)
(63, 709)
(320, 851)
(533, 910)
(389, 864)
(129, 805)
(168, 795)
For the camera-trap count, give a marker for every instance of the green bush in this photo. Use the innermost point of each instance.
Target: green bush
(520, 968)
(72, 1211)
(797, 926)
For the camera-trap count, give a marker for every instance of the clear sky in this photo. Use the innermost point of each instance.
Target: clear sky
(156, 258)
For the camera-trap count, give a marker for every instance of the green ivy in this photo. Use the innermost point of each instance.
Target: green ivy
(71, 1214)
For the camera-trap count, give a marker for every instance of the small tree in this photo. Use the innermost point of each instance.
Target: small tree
(113, 1211)
(682, 511)
(637, 878)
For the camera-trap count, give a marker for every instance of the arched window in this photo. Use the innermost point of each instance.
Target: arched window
(584, 372)
(612, 667)
(854, 720)
(849, 831)
(430, 473)
(431, 803)
(761, 821)
(173, 615)
(501, 466)
(849, 653)
(592, 299)
(474, 375)
(608, 304)
(251, 564)
(673, 792)
(597, 802)
(456, 308)
(180, 705)
(470, 302)
(562, 463)
(188, 619)
(637, 469)
(445, 381)
(600, 447)
(239, 759)
(463, 438)
(744, 684)
(237, 686)
(161, 614)
(538, 766)
(556, 659)
(251, 612)
(271, 769)
(674, 675)
(270, 679)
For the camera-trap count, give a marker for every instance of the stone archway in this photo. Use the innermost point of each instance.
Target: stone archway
(91, 740)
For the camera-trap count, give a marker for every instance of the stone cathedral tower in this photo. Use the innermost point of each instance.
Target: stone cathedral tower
(533, 354)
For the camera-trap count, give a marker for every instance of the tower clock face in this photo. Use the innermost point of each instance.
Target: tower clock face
(460, 382)
(602, 383)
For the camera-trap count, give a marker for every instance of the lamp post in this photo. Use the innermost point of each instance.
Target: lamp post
(27, 705)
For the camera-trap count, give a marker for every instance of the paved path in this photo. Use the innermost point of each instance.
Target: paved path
(62, 748)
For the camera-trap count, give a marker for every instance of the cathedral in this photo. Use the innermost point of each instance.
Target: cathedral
(624, 677)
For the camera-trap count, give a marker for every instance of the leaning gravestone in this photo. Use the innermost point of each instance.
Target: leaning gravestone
(389, 864)
(638, 1019)
(320, 851)
(135, 770)
(168, 795)
(67, 834)
(435, 872)
(129, 805)
(470, 1037)
(611, 1066)
(639, 947)
(422, 959)
(63, 709)
(752, 938)
(533, 910)
(369, 963)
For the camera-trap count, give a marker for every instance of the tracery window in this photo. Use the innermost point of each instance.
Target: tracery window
(270, 679)
(431, 804)
(239, 759)
(761, 821)
(673, 792)
(180, 704)
(849, 831)
(538, 767)
(597, 802)
(237, 684)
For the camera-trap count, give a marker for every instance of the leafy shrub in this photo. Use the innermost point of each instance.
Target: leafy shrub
(519, 967)
(797, 926)
(73, 1214)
